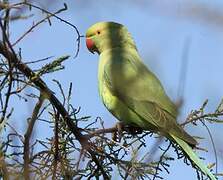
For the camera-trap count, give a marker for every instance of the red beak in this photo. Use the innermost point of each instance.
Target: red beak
(90, 45)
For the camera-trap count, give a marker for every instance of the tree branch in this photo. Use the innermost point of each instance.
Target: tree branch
(9, 54)
(27, 137)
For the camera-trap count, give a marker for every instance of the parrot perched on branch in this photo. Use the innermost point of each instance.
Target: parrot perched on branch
(131, 92)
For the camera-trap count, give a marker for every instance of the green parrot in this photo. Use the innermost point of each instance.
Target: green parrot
(131, 92)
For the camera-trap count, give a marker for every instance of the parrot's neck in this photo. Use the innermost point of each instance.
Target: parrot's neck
(125, 42)
(122, 47)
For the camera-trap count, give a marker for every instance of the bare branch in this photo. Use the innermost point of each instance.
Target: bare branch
(27, 137)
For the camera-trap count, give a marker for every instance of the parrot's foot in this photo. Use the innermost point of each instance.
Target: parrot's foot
(118, 134)
(133, 130)
(130, 129)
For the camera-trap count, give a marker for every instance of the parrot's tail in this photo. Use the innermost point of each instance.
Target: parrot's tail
(193, 157)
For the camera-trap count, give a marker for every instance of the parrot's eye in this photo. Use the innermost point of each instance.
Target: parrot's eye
(98, 32)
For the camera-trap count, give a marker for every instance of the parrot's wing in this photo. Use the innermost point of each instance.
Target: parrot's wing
(129, 78)
(138, 88)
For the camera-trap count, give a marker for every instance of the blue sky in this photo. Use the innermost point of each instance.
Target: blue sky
(160, 31)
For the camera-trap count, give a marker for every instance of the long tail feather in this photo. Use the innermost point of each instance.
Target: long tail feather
(193, 157)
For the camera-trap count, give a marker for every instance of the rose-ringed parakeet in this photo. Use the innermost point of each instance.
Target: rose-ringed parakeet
(131, 92)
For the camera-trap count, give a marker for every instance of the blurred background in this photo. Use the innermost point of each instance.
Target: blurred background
(171, 36)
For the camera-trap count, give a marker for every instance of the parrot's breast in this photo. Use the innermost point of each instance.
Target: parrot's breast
(117, 107)
(111, 102)
(114, 105)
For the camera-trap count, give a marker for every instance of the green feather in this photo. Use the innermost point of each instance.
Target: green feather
(193, 157)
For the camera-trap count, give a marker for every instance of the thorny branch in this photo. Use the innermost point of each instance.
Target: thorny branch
(49, 14)
(37, 24)
(8, 52)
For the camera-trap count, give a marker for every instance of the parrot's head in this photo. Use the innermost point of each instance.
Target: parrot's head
(107, 35)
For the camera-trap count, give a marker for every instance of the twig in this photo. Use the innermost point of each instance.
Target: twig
(4, 35)
(3, 167)
(202, 117)
(160, 161)
(56, 145)
(213, 145)
(27, 137)
(62, 20)
(102, 131)
(37, 24)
